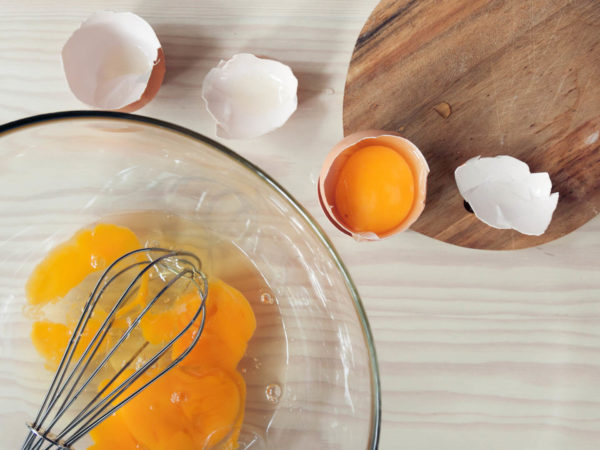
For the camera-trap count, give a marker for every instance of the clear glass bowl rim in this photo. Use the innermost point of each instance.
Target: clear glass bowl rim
(42, 119)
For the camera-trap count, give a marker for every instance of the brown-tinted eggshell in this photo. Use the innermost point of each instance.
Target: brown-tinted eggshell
(340, 153)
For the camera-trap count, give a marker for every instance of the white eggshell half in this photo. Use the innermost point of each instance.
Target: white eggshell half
(504, 194)
(109, 60)
(249, 96)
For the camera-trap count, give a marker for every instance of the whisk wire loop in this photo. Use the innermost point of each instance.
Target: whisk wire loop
(68, 385)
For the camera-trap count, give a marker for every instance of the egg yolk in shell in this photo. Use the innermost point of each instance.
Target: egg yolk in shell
(200, 402)
(375, 190)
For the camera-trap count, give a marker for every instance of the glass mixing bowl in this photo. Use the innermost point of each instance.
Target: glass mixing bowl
(310, 368)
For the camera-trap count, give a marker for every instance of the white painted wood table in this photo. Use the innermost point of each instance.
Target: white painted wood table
(477, 350)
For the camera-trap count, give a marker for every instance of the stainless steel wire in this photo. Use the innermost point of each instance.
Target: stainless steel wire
(61, 420)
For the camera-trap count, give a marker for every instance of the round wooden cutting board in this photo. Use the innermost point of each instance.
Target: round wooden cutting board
(462, 78)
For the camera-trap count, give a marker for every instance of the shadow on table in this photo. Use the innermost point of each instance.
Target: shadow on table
(185, 46)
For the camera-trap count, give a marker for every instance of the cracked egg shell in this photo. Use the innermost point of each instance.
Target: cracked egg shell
(114, 61)
(503, 193)
(249, 96)
(377, 176)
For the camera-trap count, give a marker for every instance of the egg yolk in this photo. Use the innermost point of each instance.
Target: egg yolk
(50, 339)
(70, 263)
(375, 190)
(197, 404)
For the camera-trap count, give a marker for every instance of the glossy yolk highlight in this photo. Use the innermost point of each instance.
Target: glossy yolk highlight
(375, 190)
(199, 403)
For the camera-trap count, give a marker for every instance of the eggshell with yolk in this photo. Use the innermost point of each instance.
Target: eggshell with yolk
(337, 157)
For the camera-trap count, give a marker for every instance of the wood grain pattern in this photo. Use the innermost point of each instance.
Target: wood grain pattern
(516, 78)
(477, 350)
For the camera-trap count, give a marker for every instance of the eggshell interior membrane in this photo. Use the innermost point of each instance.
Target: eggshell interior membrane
(504, 194)
(114, 61)
(339, 155)
(249, 96)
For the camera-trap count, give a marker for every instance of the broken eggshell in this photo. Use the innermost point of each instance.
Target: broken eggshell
(504, 194)
(114, 61)
(249, 96)
(338, 156)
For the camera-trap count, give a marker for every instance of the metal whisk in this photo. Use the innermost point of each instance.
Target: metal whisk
(59, 423)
